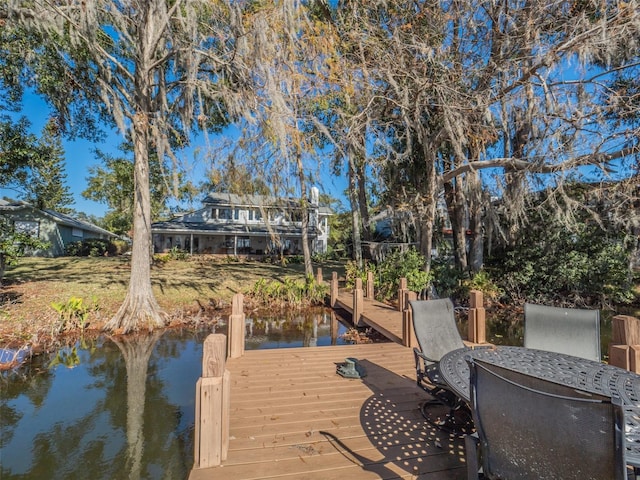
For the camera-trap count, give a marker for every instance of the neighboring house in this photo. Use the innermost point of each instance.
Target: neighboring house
(57, 229)
(232, 224)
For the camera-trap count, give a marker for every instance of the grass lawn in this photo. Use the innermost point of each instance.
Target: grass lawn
(185, 289)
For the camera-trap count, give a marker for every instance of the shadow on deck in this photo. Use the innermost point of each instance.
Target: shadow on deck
(293, 417)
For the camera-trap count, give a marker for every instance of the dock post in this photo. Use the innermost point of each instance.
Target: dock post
(477, 318)
(334, 289)
(624, 350)
(319, 276)
(370, 289)
(236, 327)
(211, 439)
(358, 302)
(408, 332)
(402, 290)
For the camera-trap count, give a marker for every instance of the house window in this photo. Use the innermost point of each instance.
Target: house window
(243, 242)
(236, 214)
(76, 232)
(28, 227)
(255, 215)
(294, 215)
(225, 214)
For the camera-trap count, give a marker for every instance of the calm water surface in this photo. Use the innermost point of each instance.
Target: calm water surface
(121, 409)
(124, 409)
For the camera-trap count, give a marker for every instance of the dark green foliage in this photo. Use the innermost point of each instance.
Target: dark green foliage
(550, 263)
(407, 264)
(14, 244)
(91, 247)
(289, 291)
(447, 279)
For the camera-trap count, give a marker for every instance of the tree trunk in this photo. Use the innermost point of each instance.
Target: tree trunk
(355, 212)
(427, 218)
(455, 207)
(363, 202)
(304, 205)
(140, 308)
(476, 249)
(136, 352)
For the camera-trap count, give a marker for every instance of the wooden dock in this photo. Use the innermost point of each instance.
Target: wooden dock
(382, 317)
(293, 417)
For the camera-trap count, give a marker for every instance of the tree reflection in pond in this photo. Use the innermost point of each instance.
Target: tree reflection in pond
(122, 407)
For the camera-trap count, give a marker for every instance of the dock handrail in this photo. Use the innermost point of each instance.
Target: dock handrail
(213, 388)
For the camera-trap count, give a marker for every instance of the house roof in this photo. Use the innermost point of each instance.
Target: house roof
(232, 199)
(60, 218)
(248, 200)
(178, 226)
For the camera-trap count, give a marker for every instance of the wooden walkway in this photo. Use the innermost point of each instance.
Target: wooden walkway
(382, 317)
(293, 417)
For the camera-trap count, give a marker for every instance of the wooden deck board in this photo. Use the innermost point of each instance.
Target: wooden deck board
(382, 317)
(293, 417)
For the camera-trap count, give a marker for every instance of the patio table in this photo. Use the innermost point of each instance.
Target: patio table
(579, 373)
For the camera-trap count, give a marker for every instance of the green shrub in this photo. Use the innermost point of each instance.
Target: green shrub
(447, 279)
(289, 291)
(73, 313)
(178, 254)
(352, 272)
(483, 282)
(550, 264)
(408, 264)
(91, 247)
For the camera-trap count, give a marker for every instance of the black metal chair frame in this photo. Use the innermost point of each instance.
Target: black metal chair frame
(436, 332)
(598, 418)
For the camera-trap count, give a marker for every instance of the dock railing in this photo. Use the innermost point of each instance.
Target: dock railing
(211, 437)
(360, 294)
(624, 350)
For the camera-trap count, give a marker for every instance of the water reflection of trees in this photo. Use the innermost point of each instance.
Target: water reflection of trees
(118, 421)
(303, 327)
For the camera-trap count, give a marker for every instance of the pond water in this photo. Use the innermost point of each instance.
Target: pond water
(124, 409)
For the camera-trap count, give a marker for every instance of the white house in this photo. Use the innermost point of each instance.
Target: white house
(231, 224)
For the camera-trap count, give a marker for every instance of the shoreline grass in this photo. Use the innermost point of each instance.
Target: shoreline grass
(186, 289)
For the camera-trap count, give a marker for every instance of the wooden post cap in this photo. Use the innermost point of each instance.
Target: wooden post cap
(214, 355)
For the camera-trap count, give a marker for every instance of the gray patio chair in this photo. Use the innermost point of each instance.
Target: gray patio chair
(572, 331)
(435, 327)
(529, 428)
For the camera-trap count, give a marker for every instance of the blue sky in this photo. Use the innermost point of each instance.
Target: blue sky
(79, 157)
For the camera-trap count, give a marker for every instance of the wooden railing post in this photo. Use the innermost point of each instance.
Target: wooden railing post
(319, 276)
(334, 289)
(236, 327)
(370, 287)
(211, 441)
(358, 301)
(408, 332)
(477, 318)
(624, 351)
(402, 290)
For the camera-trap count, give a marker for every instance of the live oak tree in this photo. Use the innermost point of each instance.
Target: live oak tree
(148, 67)
(524, 92)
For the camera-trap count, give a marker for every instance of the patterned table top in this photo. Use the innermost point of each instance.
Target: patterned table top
(579, 373)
